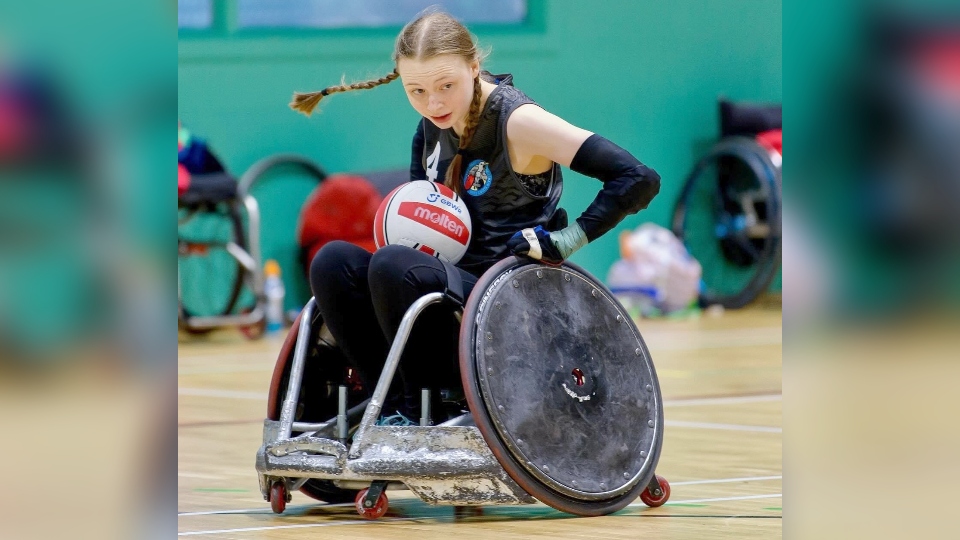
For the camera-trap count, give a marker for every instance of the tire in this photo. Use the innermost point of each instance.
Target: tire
(729, 216)
(517, 456)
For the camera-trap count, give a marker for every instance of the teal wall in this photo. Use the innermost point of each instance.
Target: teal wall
(645, 74)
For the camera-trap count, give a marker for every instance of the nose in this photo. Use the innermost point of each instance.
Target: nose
(434, 103)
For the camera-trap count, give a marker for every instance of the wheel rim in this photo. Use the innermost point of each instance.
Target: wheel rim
(729, 217)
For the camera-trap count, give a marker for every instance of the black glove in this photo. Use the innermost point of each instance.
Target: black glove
(536, 244)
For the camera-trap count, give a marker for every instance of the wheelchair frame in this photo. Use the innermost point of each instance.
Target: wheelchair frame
(450, 463)
(447, 463)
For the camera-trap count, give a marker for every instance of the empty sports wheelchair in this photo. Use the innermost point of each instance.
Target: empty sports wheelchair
(219, 267)
(563, 398)
(729, 213)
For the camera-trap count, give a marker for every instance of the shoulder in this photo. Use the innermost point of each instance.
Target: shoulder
(536, 131)
(529, 118)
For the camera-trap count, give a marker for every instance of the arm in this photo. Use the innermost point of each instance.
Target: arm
(537, 137)
(628, 185)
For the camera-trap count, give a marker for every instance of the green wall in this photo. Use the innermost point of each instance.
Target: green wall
(645, 74)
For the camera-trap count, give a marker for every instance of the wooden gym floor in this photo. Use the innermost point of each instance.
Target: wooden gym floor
(722, 453)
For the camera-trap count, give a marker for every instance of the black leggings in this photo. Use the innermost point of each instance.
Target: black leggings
(363, 297)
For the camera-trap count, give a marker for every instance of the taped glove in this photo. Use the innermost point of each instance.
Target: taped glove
(548, 247)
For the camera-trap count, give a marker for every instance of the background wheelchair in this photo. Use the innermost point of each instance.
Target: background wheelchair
(564, 406)
(729, 213)
(220, 268)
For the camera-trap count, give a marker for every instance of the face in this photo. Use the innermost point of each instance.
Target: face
(440, 88)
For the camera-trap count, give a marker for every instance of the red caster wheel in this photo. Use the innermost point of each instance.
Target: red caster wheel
(254, 331)
(278, 497)
(374, 512)
(651, 498)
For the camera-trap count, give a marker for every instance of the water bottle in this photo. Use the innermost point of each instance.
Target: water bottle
(273, 290)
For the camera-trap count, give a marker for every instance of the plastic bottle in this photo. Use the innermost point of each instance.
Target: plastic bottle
(273, 290)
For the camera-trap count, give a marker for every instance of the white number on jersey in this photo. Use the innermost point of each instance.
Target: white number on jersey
(433, 162)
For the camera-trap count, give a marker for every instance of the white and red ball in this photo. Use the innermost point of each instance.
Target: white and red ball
(426, 216)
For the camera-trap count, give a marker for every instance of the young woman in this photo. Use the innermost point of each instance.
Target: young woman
(502, 154)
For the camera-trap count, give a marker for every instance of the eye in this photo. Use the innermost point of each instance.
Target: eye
(447, 86)
(417, 91)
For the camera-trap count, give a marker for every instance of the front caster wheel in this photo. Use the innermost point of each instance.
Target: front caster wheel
(278, 497)
(656, 494)
(373, 511)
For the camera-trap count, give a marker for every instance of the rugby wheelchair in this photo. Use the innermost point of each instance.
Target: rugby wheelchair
(729, 213)
(563, 399)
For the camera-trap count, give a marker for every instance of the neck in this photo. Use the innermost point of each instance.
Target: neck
(485, 89)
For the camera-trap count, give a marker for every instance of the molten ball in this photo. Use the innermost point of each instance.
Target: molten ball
(426, 216)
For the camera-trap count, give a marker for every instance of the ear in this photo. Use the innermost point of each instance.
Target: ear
(475, 68)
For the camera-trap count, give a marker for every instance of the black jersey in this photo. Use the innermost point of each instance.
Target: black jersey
(501, 202)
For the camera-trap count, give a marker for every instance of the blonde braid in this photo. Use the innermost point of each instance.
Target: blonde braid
(454, 171)
(306, 102)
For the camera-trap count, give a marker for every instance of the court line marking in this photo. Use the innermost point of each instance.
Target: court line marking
(723, 427)
(304, 507)
(720, 499)
(263, 510)
(212, 392)
(688, 402)
(726, 480)
(382, 520)
(729, 400)
(706, 516)
(218, 423)
(299, 526)
(239, 368)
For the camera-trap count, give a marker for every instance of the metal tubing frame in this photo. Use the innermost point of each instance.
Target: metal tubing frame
(316, 427)
(458, 465)
(424, 406)
(253, 235)
(389, 369)
(296, 372)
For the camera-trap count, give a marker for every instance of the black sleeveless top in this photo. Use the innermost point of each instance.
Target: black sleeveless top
(501, 202)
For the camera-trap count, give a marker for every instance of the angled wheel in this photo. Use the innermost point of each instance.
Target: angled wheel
(654, 497)
(561, 386)
(376, 510)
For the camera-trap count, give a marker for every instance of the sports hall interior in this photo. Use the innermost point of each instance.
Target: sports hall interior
(646, 75)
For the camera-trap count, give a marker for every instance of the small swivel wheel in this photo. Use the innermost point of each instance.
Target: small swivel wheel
(656, 493)
(255, 330)
(278, 497)
(370, 509)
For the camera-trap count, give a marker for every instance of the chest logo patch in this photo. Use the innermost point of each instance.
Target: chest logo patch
(478, 178)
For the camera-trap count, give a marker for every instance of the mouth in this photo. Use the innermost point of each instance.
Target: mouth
(441, 119)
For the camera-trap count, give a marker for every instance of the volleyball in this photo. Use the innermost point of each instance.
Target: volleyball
(426, 216)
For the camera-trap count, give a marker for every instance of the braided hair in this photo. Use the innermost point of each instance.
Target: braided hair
(455, 170)
(306, 102)
(431, 34)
